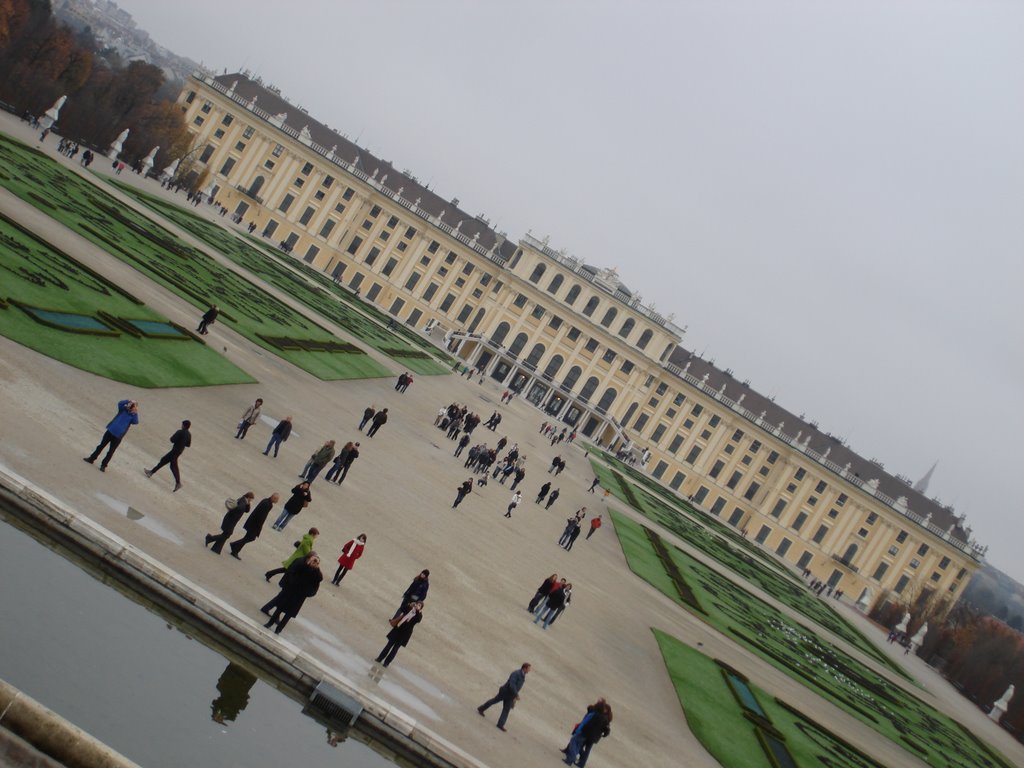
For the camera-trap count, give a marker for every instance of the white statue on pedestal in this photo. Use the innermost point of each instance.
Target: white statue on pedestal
(48, 119)
(170, 170)
(999, 708)
(147, 161)
(918, 638)
(118, 145)
(904, 622)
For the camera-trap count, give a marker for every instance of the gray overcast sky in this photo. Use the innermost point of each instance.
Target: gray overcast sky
(829, 194)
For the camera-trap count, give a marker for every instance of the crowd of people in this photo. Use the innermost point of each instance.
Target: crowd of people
(301, 574)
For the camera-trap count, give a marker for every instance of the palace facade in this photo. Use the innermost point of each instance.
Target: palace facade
(577, 344)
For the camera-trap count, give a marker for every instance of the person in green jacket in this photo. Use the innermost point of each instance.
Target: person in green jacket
(302, 548)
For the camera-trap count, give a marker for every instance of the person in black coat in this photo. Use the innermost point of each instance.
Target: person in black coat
(300, 581)
(542, 493)
(298, 501)
(180, 440)
(401, 632)
(227, 525)
(253, 524)
(208, 319)
(462, 492)
(416, 592)
(379, 420)
(542, 592)
(281, 433)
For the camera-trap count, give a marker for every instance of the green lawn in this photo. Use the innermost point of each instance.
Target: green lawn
(166, 259)
(800, 653)
(290, 276)
(718, 721)
(383, 318)
(37, 275)
(740, 557)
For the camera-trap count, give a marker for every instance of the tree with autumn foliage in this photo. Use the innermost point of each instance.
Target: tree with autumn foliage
(41, 60)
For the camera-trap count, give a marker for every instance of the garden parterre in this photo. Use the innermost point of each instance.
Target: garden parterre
(283, 272)
(57, 306)
(186, 271)
(797, 651)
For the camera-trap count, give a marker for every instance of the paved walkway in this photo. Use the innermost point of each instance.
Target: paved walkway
(484, 567)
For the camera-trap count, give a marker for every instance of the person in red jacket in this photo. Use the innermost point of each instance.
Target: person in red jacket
(351, 552)
(595, 523)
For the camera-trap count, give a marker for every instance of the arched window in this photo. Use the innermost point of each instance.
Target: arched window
(629, 412)
(476, 320)
(572, 377)
(645, 339)
(535, 355)
(515, 259)
(518, 344)
(591, 306)
(572, 295)
(607, 399)
(627, 327)
(589, 387)
(609, 317)
(537, 273)
(667, 352)
(553, 365)
(500, 333)
(851, 551)
(556, 283)
(256, 186)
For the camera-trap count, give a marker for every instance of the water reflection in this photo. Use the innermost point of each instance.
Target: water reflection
(141, 685)
(234, 685)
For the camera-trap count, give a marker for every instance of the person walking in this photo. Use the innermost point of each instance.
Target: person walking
(593, 485)
(367, 415)
(594, 726)
(318, 461)
(281, 433)
(298, 501)
(235, 512)
(353, 454)
(462, 444)
(573, 535)
(208, 319)
(339, 462)
(553, 605)
(570, 523)
(516, 498)
(253, 524)
(401, 633)
(595, 523)
(300, 582)
(250, 417)
(180, 440)
(379, 420)
(551, 499)
(127, 415)
(351, 552)
(542, 592)
(507, 695)
(463, 491)
(542, 492)
(302, 548)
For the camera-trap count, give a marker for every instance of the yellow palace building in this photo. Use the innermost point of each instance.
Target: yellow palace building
(576, 343)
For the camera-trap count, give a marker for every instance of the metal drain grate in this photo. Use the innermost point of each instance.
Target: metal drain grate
(336, 706)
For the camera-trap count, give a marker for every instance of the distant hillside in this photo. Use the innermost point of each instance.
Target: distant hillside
(116, 34)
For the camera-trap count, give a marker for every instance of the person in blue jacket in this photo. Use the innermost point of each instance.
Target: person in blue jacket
(127, 414)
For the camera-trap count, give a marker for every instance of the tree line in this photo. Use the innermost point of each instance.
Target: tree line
(979, 654)
(42, 60)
